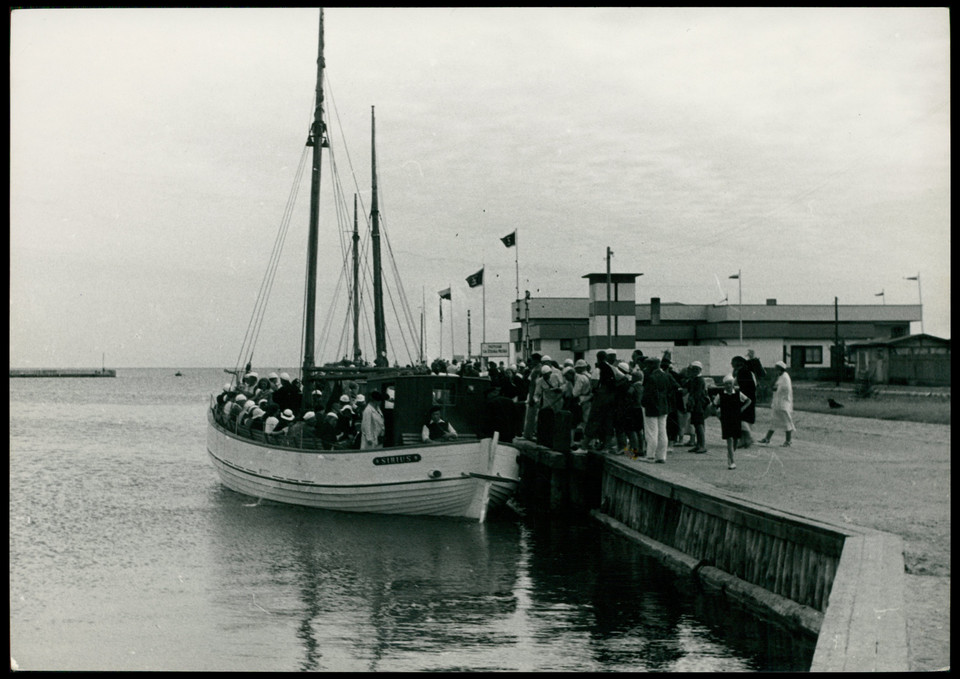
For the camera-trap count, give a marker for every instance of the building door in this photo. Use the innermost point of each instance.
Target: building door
(797, 356)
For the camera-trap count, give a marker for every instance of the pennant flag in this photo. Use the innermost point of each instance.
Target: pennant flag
(445, 294)
(736, 275)
(879, 294)
(510, 240)
(912, 278)
(476, 279)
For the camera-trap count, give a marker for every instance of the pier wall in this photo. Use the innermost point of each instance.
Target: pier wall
(839, 583)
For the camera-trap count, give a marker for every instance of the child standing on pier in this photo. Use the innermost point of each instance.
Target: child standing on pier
(730, 406)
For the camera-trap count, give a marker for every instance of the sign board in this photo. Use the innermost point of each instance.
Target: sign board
(495, 349)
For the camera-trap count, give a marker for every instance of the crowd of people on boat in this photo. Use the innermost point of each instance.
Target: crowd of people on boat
(273, 405)
(641, 406)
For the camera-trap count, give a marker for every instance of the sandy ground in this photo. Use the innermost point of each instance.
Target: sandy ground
(890, 476)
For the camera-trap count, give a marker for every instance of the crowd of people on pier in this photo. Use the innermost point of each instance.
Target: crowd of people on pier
(640, 406)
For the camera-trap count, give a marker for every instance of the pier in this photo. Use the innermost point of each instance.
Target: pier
(61, 372)
(841, 584)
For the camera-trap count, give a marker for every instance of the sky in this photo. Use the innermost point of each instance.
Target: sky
(154, 152)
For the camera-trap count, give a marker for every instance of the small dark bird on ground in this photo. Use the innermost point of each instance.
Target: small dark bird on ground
(834, 404)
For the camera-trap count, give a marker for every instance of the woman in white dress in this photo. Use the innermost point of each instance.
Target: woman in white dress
(781, 406)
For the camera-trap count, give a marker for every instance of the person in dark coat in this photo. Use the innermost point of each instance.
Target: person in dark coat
(600, 429)
(676, 403)
(747, 381)
(327, 430)
(697, 401)
(658, 390)
(499, 415)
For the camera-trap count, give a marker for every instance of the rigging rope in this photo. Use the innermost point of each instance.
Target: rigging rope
(266, 285)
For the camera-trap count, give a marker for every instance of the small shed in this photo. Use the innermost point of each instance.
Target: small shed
(914, 359)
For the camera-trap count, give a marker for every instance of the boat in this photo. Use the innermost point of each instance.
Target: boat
(464, 478)
(178, 374)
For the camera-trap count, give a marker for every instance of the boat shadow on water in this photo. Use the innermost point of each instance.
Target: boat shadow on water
(373, 584)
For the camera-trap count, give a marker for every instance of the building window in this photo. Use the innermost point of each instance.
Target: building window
(811, 355)
(566, 345)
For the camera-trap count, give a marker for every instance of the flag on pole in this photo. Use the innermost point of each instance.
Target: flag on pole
(736, 275)
(476, 279)
(445, 294)
(879, 294)
(510, 239)
(911, 278)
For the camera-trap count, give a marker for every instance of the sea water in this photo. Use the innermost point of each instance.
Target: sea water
(126, 553)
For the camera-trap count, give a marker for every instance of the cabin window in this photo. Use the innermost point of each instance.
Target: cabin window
(442, 397)
(811, 355)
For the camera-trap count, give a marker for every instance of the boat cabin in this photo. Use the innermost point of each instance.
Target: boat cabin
(462, 401)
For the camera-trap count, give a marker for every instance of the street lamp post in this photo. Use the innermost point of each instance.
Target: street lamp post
(920, 293)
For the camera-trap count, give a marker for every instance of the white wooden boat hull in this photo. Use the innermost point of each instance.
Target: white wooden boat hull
(456, 479)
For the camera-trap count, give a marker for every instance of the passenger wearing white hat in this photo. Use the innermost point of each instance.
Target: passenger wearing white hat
(256, 419)
(296, 431)
(781, 405)
(582, 393)
(327, 430)
(272, 419)
(237, 408)
(225, 394)
(548, 392)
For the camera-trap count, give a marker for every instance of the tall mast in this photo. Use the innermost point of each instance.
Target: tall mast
(356, 283)
(317, 139)
(378, 323)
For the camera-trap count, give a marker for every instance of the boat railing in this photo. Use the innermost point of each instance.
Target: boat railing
(305, 441)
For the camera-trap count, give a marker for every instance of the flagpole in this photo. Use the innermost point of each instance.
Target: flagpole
(516, 255)
(440, 354)
(484, 286)
(740, 299)
(919, 292)
(451, 326)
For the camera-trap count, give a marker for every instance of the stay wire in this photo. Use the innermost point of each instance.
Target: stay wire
(256, 319)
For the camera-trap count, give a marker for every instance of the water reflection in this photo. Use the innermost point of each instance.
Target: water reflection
(371, 586)
(351, 592)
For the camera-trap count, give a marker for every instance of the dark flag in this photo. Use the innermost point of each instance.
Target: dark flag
(476, 279)
(510, 240)
(736, 275)
(445, 294)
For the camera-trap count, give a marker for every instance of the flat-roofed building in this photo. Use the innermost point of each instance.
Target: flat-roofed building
(802, 335)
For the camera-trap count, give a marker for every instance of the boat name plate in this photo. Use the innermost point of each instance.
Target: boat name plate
(396, 459)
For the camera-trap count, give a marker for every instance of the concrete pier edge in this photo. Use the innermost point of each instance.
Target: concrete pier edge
(781, 610)
(862, 625)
